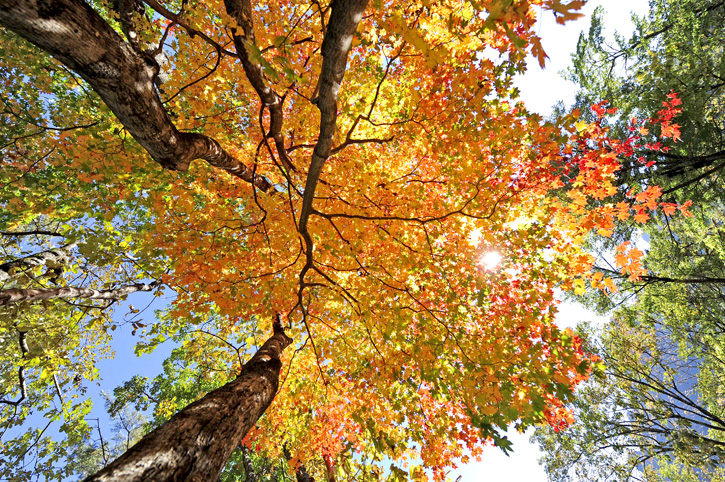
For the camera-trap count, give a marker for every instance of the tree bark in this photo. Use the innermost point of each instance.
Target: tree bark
(76, 35)
(34, 294)
(345, 16)
(330, 466)
(243, 12)
(250, 475)
(301, 474)
(56, 257)
(196, 443)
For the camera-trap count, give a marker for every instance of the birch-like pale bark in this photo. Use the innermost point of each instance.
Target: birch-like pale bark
(57, 256)
(17, 295)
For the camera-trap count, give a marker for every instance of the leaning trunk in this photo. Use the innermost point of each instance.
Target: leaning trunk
(17, 295)
(196, 443)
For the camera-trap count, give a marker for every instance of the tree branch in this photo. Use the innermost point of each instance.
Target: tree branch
(21, 372)
(344, 19)
(163, 11)
(37, 232)
(244, 42)
(664, 279)
(79, 38)
(16, 295)
(58, 256)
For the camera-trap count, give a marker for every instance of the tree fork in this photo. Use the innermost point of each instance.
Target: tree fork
(197, 442)
(78, 37)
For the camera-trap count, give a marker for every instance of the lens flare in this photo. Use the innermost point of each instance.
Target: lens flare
(491, 260)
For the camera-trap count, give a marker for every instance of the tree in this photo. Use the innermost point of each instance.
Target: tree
(52, 344)
(419, 164)
(658, 413)
(128, 427)
(677, 47)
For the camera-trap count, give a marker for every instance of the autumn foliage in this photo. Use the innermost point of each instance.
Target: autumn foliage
(405, 344)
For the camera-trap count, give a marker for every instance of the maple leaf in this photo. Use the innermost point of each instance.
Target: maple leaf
(684, 210)
(566, 11)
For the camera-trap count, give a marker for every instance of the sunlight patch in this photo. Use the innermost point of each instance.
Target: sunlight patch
(491, 260)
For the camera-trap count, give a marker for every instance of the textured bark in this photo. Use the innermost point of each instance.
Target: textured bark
(196, 443)
(55, 257)
(301, 473)
(17, 295)
(78, 37)
(249, 473)
(345, 16)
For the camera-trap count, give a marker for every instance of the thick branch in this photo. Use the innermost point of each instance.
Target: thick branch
(301, 473)
(78, 37)
(57, 257)
(695, 179)
(250, 475)
(244, 40)
(34, 294)
(344, 19)
(36, 232)
(21, 372)
(127, 10)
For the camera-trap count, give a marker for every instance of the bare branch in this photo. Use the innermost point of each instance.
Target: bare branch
(21, 372)
(38, 232)
(163, 11)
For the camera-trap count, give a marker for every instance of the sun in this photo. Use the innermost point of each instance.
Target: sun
(490, 260)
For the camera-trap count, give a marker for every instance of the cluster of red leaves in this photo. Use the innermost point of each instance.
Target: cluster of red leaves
(588, 176)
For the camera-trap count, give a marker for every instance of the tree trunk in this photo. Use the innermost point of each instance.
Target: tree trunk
(196, 443)
(250, 475)
(301, 473)
(34, 294)
(330, 466)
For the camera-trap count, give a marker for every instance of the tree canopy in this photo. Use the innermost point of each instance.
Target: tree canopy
(358, 162)
(658, 414)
